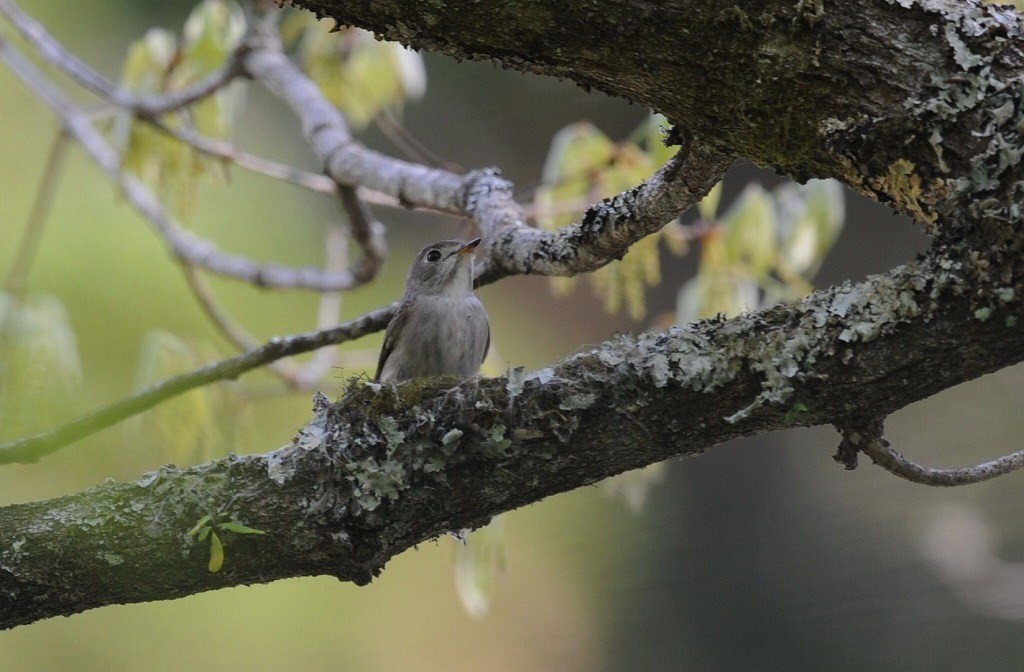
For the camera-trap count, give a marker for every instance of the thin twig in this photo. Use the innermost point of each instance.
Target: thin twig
(226, 325)
(14, 283)
(186, 246)
(149, 108)
(312, 372)
(222, 149)
(345, 160)
(317, 182)
(32, 448)
(366, 231)
(895, 463)
(60, 58)
(401, 138)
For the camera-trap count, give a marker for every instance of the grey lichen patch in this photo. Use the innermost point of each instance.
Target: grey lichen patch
(829, 322)
(313, 436)
(380, 441)
(577, 402)
(979, 87)
(962, 53)
(684, 356)
(375, 481)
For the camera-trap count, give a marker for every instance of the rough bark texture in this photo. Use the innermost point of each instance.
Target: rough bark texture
(888, 96)
(386, 468)
(917, 103)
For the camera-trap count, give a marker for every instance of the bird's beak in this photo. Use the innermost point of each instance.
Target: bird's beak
(468, 247)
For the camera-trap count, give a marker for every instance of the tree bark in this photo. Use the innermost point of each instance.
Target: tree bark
(387, 468)
(917, 103)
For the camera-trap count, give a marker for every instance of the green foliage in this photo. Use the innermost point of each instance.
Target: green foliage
(40, 371)
(159, 64)
(358, 73)
(764, 249)
(208, 527)
(583, 166)
(795, 409)
(193, 427)
(770, 243)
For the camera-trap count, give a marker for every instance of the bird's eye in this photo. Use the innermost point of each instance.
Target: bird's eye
(433, 255)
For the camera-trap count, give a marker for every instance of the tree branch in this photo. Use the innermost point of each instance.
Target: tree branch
(31, 449)
(148, 105)
(604, 235)
(917, 103)
(387, 468)
(186, 246)
(865, 436)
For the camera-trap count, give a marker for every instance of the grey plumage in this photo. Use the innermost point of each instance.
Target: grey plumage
(441, 327)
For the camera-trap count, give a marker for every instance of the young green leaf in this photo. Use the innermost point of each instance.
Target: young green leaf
(203, 522)
(40, 370)
(359, 74)
(157, 64)
(238, 528)
(216, 553)
(193, 427)
(749, 225)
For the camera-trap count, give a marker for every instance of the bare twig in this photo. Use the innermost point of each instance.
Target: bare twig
(606, 232)
(895, 463)
(16, 275)
(865, 435)
(32, 448)
(186, 246)
(608, 228)
(296, 377)
(227, 326)
(147, 105)
(345, 160)
(401, 138)
(366, 231)
(222, 149)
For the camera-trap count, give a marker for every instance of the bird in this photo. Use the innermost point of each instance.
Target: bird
(440, 327)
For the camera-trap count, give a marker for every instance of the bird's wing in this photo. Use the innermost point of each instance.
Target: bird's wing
(487, 348)
(390, 337)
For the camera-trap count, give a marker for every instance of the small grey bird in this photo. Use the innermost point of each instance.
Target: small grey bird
(441, 327)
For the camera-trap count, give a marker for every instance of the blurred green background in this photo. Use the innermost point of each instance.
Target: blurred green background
(762, 554)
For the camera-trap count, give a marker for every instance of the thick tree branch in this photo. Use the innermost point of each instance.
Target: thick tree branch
(387, 468)
(804, 88)
(605, 233)
(917, 102)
